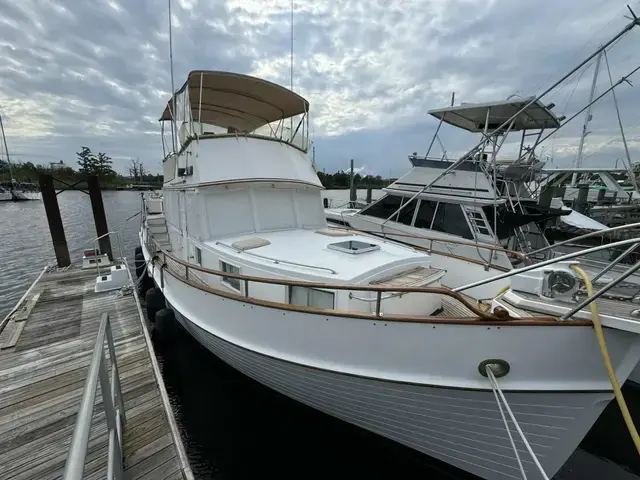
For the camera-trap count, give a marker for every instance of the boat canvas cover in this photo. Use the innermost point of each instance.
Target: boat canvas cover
(232, 100)
(472, 116)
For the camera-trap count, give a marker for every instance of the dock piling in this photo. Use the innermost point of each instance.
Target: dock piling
(99, 215)
(54, 219)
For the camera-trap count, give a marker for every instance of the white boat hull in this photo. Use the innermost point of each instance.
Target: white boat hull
(406, 381)
(20, 195)
(460, 427)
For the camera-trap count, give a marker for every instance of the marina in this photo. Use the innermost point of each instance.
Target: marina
(226, 314)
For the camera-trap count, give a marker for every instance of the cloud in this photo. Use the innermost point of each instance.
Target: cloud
(97, 73)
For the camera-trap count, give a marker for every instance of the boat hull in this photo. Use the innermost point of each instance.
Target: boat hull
(460, 427)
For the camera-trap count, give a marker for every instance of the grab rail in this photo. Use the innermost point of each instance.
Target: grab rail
(568, 256)
(333, 286)
(113, 408)
(486, 246)
(586, 235)
(277, 260)
(96, 240)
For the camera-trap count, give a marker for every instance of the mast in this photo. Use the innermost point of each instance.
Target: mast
(291, 65)
(6, 149)
(587, 118)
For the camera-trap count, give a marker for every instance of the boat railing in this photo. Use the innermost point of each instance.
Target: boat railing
(568, 256)
(481, 315)
(113, 408)
(485, 246)
(278, 260)
(595, 233)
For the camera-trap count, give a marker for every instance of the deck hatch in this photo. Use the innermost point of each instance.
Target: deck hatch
(353, 247)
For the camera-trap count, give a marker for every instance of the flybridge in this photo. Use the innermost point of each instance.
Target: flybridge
(227, 103)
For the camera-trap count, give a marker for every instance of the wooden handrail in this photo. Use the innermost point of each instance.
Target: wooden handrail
(332, 286)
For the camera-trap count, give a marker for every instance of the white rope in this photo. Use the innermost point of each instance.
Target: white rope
(506, 424)
(497, 391)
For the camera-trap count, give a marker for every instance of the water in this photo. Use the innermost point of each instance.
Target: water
(234, 428)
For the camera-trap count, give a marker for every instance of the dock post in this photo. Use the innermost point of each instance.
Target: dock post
(99, 217)
(369, 188)
(54, 219)
(352, 189)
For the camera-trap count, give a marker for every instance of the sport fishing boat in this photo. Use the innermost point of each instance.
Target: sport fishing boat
(357, 326)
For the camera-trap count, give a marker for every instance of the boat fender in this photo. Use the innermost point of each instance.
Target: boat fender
(155, 303)
(138, 251)
(140, 264)
(165, 323)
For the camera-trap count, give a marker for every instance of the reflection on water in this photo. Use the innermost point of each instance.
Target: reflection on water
(234, 428)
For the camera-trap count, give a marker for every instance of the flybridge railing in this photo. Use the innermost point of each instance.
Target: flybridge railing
(155, 248)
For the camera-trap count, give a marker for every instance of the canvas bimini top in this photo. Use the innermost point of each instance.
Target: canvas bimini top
(233, 100)
(472, 116)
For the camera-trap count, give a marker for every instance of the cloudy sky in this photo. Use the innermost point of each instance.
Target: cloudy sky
(96, 73)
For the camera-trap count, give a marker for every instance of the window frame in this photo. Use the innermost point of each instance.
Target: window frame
(226, 281)
(197, 255)
(308, 289)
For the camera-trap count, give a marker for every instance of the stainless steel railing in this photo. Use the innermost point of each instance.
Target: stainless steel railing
(113, 408)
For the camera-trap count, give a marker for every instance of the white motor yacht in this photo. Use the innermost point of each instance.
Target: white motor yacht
(352, 324)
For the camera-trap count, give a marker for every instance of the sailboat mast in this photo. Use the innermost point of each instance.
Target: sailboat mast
(6, 149)
(587, 118)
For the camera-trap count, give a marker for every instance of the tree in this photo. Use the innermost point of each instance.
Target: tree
(87, 161)
(103, 166)
(134, 168)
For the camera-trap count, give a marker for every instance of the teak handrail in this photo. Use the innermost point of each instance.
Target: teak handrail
(484, 316)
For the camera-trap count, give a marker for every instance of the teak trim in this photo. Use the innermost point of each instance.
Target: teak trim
(483, 318)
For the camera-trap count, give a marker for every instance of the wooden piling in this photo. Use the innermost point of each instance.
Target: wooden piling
(352, 188)
(99, 216)
(54, 219)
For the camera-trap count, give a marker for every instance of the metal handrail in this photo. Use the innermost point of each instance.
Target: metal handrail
(96, 240)
(485, 246)
(277, 260)
(568, 256)
(586, 235)
(113, 408)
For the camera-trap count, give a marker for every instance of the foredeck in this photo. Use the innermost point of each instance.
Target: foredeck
(45, 352)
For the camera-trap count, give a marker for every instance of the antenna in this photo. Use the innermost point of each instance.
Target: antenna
(291, 61)
(173, 98)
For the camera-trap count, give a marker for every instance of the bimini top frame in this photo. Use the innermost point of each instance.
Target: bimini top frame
(215, 103)
(477, 117)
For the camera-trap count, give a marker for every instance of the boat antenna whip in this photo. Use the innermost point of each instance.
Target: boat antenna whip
(173, 90)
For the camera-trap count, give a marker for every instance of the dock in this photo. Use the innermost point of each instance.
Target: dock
(47, 344)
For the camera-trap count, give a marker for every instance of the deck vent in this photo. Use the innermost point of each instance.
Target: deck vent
(353, 247)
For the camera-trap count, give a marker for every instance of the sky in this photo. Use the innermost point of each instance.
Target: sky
(97, 73)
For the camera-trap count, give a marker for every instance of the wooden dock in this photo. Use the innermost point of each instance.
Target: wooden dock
(46, 346)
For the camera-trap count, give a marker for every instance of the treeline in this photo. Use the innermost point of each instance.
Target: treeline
(89, 163)
(341, 179)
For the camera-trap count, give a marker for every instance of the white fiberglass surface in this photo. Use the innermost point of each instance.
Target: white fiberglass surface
(306, 247)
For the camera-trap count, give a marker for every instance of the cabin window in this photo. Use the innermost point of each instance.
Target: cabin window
(406, 214)
(198, 255)
(426, 212)
(311, 297)
(229, 281)
(449, 218)
(384, 207)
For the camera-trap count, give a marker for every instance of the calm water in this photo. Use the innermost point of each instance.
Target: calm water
(234, 428)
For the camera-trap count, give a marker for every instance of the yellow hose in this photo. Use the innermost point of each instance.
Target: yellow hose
(607, 361)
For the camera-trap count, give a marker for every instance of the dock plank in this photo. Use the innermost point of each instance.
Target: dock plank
(47, 348)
